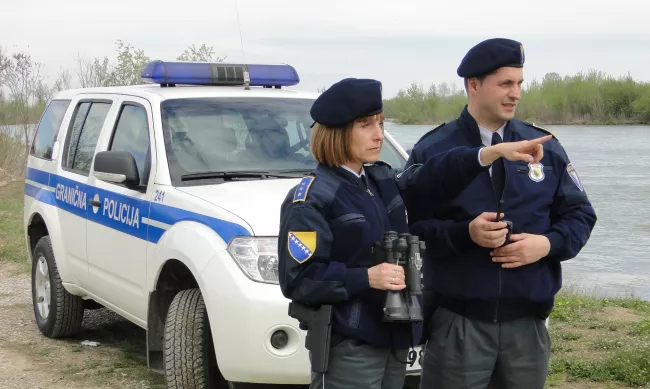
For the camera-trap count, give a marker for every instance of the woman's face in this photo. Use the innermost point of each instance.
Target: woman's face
(366, 140)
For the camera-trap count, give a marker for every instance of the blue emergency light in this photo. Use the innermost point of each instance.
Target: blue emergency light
(205, 73)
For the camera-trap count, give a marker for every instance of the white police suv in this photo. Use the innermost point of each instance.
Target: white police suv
(161, 202)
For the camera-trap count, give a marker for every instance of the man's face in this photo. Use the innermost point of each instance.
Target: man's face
(497, 96)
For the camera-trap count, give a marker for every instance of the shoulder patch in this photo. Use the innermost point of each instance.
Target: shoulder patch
(302, 245)
(574, 176)
(303, 187)
(546, 130)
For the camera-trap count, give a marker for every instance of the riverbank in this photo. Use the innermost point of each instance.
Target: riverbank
(575, 122)
(600, 340)
(585, 98)
(596, 342)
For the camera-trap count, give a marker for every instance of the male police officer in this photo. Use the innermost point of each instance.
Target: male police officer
(487, 300)
(330, 222)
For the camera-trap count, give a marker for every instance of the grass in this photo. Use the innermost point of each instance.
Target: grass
(12, 243)
(12, 152)
(596, 342)
(600, 341)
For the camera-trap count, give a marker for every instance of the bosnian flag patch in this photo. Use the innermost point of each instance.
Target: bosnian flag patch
(302, 245)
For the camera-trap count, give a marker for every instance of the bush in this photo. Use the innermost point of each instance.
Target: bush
(12, 155)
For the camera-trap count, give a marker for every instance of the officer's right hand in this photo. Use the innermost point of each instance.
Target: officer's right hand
(487, 233)
(530, 151)
(386, 276)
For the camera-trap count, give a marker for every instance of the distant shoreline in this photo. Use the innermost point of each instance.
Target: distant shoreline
(591, 98)
(569, 123)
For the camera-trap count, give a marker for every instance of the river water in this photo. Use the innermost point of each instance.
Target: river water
(613, 163)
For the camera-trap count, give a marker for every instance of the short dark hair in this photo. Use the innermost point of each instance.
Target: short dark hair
(479, 78)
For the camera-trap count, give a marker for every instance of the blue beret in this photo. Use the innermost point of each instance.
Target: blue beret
(346, 101)
(490, 55)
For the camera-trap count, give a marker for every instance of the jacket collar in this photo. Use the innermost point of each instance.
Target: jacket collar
(341, 174)
(470, 128)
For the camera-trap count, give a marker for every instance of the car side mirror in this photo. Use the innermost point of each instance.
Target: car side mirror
(117, 167)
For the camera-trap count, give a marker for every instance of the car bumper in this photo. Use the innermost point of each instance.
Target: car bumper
(244, 315)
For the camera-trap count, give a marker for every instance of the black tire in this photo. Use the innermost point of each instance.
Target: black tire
(65, 310)
(190, 361)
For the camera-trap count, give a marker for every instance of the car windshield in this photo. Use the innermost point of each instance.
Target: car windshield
(240, 135)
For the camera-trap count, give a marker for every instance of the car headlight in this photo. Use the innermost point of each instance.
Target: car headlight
(257, 257)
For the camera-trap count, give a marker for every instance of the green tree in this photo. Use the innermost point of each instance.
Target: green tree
(591, 97)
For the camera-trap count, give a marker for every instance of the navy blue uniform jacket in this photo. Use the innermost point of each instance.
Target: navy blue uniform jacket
(328, 224)
(459, 274)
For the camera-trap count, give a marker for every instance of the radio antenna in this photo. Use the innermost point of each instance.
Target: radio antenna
(241, 42)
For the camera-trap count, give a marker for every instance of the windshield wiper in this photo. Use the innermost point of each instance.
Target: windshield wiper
(297, 171)
(242, 174)
(204, 175)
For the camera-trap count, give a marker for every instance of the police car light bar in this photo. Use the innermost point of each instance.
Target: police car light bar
(204, 73)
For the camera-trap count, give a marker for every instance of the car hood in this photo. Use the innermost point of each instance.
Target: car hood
(257, 202)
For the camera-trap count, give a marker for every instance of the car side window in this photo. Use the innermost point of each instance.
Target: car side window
(48, 129)
(83, 135)
(132, 135)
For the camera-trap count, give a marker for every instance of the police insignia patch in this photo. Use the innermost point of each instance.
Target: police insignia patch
(301, 191)
(574, 176)
(536, 171)
(302, 245)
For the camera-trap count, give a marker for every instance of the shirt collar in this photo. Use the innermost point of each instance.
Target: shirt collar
(363, 172)
(486, 135)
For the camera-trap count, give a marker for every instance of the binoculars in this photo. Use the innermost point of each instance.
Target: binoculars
(405, 250)
(509, 227)
(508, 223)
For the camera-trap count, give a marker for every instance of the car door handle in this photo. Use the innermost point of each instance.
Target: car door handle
(95, 203)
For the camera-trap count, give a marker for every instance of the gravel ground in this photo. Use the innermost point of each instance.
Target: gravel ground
(30, 360)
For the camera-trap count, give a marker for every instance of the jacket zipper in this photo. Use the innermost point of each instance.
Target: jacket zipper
(372, 196)
(503, 195)
(496, 312)
(373, 199)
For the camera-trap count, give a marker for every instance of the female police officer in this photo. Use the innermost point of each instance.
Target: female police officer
(330, 221)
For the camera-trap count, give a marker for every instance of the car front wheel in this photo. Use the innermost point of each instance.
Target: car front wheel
(190, 360)
(58, 313)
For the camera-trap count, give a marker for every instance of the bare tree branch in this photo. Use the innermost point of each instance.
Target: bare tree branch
(86, 73)
(201, 54)
(64, 81)
(25, 82)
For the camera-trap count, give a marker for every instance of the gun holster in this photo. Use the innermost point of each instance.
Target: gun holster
(319, 332)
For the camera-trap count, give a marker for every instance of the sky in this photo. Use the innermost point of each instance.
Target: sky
(397, 42)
